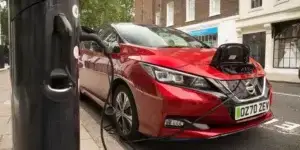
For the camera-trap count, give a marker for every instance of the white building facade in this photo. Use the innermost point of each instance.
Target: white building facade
(271, 28)
(215, 32)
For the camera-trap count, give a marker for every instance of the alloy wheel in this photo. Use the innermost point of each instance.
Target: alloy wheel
(123, 113)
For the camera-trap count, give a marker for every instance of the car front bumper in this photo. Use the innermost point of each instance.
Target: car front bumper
(216, 132)
(171, 101)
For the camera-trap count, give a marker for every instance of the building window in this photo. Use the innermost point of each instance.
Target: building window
(170, 14)
(287, 46)
(256, 3)
(257, 44)
(207, 35)
(190, 10)
(214, 7)
(211, 39)
(157, 18)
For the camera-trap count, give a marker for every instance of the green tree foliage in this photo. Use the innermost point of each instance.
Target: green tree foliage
(94, 13)
(4, 24)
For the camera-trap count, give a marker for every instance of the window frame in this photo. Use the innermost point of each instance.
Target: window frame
(213, 12)
(170, 14)
(286, 40)
(209, 38)
(190, 10)
(157, 18)
(252, 4)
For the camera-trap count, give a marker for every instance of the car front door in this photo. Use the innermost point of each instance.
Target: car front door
(88, 78)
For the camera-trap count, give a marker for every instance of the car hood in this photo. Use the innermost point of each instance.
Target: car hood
(196, 61)
(190, 55)
(178, 57)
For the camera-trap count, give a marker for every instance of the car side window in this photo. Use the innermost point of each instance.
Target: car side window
(111, 39)
(105, 33)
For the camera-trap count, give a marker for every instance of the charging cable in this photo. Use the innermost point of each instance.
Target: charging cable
(107, 98)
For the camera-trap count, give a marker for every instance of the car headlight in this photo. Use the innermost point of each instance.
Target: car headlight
(174, 77)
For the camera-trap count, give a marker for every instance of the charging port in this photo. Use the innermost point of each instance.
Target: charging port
(233, 58)
(59, 79)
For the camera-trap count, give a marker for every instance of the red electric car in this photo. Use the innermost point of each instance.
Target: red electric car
(166, 80)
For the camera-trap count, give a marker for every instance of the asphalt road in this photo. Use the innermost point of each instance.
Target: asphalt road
(281, 133)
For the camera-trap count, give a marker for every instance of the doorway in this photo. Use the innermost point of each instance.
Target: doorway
(257, 44)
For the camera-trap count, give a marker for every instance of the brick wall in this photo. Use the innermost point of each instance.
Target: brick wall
(228, 8)
(138, 11)
(144, 11)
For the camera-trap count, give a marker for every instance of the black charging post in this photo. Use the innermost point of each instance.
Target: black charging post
(45, 109)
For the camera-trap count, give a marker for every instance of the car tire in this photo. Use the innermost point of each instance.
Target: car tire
(124, 112)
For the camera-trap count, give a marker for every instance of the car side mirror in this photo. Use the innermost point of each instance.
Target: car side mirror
(88, 34)
(113, 48)
(116, 49)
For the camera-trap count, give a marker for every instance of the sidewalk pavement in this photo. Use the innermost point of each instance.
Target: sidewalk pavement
(283, 78)
(5, 68)
(88, 126)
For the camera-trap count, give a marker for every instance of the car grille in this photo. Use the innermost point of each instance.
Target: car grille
(247, 88)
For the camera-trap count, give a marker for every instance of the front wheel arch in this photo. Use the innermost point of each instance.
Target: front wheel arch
(121, 85)
(117, 82)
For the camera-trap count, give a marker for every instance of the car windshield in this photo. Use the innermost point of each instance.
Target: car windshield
(154, 36)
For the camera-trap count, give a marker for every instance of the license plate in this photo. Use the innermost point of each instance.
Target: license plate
(253, 109)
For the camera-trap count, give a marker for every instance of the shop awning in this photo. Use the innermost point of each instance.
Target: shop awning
(206, 31)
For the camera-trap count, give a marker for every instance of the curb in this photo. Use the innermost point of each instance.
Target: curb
(289, 82)
(283, 78)
(4, 69)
